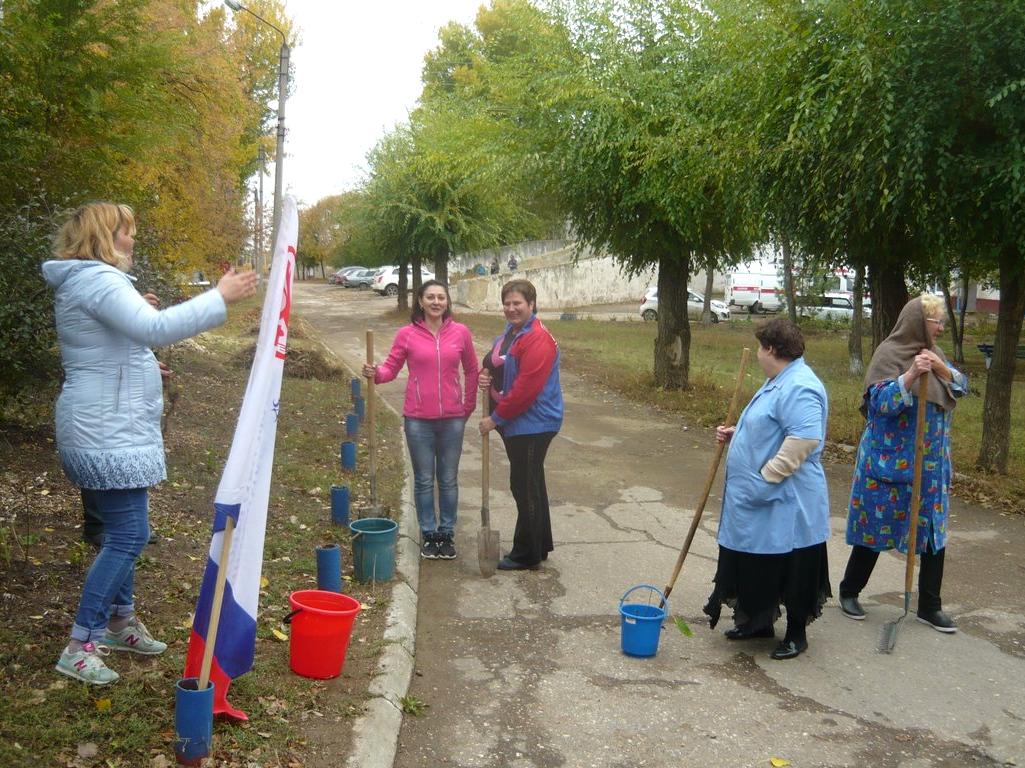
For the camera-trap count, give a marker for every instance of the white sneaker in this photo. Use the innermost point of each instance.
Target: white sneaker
(86, 665)
(135, 638)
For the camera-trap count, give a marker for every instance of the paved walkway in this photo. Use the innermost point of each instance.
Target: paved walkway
(525, 669)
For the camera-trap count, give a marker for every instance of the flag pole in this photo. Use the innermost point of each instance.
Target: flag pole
(215, 610)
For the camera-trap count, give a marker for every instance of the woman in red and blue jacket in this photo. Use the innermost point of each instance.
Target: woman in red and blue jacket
(433, 346)
(522, 374)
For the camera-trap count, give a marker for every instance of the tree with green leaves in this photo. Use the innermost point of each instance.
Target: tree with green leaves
(138, 101)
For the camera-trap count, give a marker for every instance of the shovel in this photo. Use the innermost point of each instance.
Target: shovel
(487, 539)
(730, 416)
(374, 510)
(888, 637)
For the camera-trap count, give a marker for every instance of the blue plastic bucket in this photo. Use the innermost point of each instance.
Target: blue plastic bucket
(641, 623)
(373, 548)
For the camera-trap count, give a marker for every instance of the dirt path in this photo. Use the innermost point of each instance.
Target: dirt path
(525, 669)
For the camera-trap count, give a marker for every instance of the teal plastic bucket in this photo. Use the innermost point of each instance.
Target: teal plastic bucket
(641, 623)
(373, 548)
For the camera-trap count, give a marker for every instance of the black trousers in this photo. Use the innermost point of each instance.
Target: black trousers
(930, 576)
(92, 524)
(533, 538)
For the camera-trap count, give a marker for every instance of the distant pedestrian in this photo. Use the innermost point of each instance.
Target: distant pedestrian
(878, 516)
(108, 414)
(775, 509)
(434, 347)
(480, 270)
(513, 264)
(521, 373)
(494, 265)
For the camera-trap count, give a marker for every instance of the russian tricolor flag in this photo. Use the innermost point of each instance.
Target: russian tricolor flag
(244, 490)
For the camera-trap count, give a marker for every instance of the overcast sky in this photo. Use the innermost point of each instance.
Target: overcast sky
(357, 73)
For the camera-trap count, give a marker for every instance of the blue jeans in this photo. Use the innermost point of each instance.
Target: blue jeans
(435, 446)
(108, 585)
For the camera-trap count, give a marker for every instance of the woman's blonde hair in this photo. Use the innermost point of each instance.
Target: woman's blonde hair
(89, 234)
(932, 305)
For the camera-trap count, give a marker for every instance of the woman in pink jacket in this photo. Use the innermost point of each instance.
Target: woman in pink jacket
(437, 406)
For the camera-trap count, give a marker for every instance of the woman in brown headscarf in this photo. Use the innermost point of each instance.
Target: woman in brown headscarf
(880, 504)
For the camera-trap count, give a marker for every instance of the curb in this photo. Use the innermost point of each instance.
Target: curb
(376, 731)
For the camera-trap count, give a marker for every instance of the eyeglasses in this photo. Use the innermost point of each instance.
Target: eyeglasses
(934, 320)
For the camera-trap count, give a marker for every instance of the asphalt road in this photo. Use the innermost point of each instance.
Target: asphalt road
(525, 669)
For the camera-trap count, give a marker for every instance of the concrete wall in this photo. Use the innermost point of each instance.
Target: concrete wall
(596, 280)
(561, 283)
(528, 250)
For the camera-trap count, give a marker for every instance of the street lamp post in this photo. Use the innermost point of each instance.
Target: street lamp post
(279, 151)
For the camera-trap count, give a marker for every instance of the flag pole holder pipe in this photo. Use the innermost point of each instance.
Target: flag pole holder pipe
(194, 698)
(374, 510)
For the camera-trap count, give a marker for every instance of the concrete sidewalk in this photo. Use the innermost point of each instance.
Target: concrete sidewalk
(525, 669)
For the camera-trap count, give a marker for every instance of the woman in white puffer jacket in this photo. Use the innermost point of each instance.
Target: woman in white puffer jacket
(108, 413)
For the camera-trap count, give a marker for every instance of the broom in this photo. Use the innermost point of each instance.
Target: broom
(888, 638)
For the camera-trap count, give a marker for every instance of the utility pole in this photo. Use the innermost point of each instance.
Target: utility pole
(279, 150)
(263, 163)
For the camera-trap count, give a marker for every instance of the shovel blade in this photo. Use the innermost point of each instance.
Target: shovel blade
(487, 551)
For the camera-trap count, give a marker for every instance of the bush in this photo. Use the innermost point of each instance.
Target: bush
(29, 350)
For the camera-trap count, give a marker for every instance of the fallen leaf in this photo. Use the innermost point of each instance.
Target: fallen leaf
(160, 761)
(778, 762)
(103, 705)
(267, 736)
(187, 624)
(87, 749)
(264, 582)
(279, 635)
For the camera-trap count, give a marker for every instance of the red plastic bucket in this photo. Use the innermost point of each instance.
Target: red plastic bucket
(321, 627)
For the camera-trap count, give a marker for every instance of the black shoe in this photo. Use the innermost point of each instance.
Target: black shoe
(939, 621)
(788, 649)
(852, 608)
(429, 548)
(505, 564)
(446, 549)
(743, 634)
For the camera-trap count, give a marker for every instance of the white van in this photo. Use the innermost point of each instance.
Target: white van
(755, 286)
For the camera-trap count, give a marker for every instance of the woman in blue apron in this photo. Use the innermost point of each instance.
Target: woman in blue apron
(775, 511)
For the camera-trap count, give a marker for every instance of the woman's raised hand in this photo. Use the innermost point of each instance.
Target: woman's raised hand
(235, 286)
(724, 433)
(369, 371)
(484, 380)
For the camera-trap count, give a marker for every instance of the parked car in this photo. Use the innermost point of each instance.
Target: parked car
(695, 306)
(386, 281)
(360, 278)
(337, 277)
(829, 307)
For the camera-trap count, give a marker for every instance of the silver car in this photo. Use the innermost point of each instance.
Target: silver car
(695, 306)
